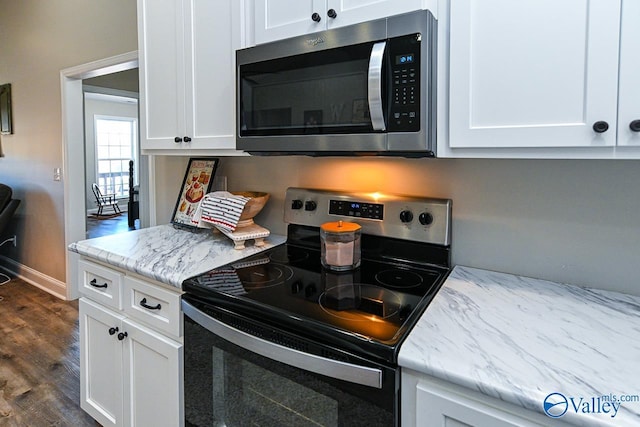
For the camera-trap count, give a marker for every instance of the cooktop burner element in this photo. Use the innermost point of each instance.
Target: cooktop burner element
(358, 302)
(397, 278)
(367, 311)
(264, 275)
(286, 254)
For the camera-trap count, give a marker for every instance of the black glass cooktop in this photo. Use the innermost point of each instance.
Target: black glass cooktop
(367, 310)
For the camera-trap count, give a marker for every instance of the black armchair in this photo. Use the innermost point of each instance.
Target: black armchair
(8, 207)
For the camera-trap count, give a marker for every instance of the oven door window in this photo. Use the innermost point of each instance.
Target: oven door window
(226, 385)
(322, 92)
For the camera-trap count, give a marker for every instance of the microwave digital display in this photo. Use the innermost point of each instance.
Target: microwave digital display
(405, 59)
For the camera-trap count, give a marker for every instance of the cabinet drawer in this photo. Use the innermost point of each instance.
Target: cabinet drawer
(100, 284)
(153, 305)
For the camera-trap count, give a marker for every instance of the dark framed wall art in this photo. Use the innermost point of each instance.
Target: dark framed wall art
(5, 109)
(196, 183)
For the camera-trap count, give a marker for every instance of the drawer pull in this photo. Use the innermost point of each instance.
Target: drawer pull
(122, 335)
(149, 307)
(112, 331)
(94, 283)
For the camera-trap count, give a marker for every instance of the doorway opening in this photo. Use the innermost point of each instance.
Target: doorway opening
(112, 155)
(74, 159)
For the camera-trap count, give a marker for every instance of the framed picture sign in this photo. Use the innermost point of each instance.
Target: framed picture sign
(196, 183)
(6, 126)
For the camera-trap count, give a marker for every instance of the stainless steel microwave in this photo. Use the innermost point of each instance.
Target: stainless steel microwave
(368, 88)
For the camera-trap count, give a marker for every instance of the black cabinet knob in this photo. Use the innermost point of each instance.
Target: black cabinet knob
(635, 126)
(406, 216)
(112, 331)
(316, 17)
(177, 139)
(122, 335)
(425, 218)
(331, 13)
(600, 127)
(187, 139)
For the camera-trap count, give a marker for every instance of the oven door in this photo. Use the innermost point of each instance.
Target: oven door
(235, 378)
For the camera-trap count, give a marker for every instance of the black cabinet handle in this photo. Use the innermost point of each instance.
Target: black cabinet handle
(94, 283)
(112, 331)
(331, 13)
(149, 307)
(177, 139)
(122, 335)
(635, 126)
(187, 139)
(316, 17)
(600, 127)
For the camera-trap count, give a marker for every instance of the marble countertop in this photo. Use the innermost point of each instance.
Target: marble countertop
(167, 254)
(520, 339)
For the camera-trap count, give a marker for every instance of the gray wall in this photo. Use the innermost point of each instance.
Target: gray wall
(573, 221)
(39, 39)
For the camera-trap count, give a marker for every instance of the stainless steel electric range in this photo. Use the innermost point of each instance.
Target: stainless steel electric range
(276, 339)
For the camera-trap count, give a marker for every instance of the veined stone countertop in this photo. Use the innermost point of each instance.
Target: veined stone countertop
(520, 339)
(167, 254)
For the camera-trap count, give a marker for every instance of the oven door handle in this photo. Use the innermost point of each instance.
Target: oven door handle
(362, 375)
(375, 86)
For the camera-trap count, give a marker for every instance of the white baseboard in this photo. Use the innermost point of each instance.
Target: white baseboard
(48, 284)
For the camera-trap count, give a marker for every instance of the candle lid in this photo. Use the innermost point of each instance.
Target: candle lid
(340, 227)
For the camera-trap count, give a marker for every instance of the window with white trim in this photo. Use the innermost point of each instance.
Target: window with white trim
(116, 142)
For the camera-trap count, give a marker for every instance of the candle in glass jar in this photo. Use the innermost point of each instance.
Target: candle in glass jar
(340, 245)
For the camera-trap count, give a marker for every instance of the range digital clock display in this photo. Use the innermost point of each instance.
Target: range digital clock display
(356, 209)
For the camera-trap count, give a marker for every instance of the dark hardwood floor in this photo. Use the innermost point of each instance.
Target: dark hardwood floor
(39, 359)
(98, 227)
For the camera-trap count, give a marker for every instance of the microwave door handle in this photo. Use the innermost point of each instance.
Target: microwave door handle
(375, 86)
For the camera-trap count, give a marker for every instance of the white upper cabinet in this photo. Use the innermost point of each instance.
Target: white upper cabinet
(533, 73)
(280, 19)
(187, 73)
(629, 100)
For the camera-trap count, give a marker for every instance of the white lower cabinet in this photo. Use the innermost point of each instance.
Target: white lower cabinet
(131, 366)
(130, 375)
(429, 402)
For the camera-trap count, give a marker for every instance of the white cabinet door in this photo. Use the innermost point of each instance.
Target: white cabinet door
(153, 367)
(161, 71)
(212, 35)
(629, 93)
(533, 73)
(281, 19)
(100, 363)
(438, 408)
(187, 73)
(354, 11)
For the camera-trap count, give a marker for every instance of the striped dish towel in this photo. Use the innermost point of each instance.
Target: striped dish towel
(223, 209)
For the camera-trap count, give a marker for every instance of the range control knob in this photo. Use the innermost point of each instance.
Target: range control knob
(296, 204)
(425, 218)
(310, 205)
(406, 216)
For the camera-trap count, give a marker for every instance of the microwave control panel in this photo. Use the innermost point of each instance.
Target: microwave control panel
(404, 73)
